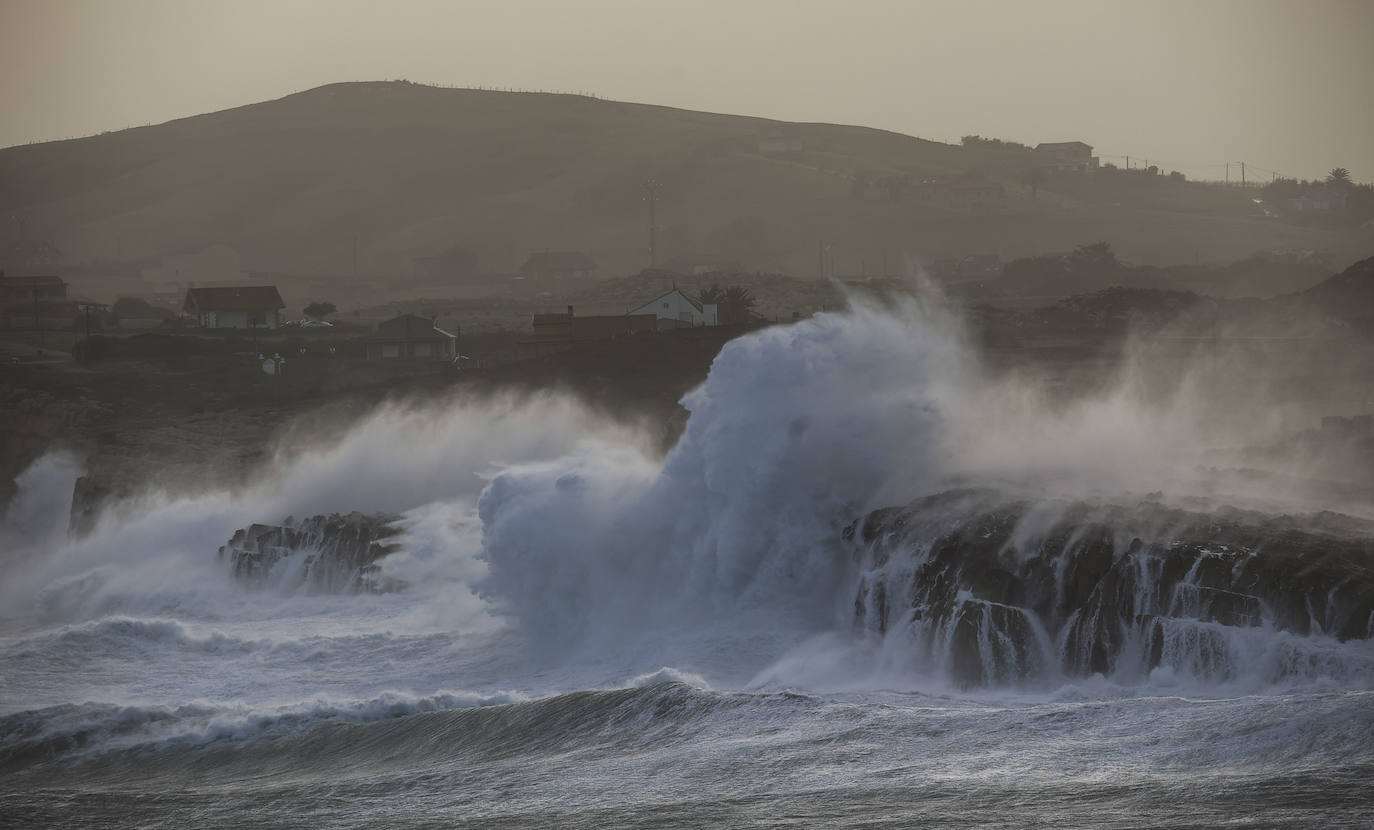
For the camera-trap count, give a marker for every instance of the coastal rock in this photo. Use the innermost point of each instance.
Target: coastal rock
(993, 590)
(328, 553)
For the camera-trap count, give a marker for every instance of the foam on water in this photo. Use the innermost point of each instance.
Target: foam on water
(545, 552)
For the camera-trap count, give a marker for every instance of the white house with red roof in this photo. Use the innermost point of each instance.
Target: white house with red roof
(235, 306)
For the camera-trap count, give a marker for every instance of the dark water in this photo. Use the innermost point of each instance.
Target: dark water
(669, 754)
(582, 635)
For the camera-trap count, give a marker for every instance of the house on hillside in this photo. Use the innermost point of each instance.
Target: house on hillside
(567, 327)
(43, 302)
(29, 290)
(235, 307)
(34, 302)
(677, 310)
(1319, 200)
(554, 270)
(1066, 157)
(410, 337)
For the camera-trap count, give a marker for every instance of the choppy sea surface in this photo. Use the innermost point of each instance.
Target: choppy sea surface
(580, 634)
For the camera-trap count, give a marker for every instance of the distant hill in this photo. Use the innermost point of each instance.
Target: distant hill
(1349, 294)
(385, 173)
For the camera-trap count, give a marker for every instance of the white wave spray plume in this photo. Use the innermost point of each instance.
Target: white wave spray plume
(158, 551)
(728, 551)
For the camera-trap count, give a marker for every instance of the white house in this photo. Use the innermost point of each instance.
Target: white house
(411, 336)
(1321, 199)
(235, 307)
(680, 309)
(1066, 156)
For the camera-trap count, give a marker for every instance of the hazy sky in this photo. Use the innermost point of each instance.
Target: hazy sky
(1284, 86)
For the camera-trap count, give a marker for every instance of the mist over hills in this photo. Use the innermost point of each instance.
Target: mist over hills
(385, 172)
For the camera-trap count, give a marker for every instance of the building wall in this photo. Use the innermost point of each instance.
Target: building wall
(673, 306)
(30, 293)
(412, 350)
(237, 320)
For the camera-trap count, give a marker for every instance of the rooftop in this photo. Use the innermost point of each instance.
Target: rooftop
(234, 298)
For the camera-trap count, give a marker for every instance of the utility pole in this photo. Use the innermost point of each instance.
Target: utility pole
(357, 206)
(1242, 174)
(1228, 172)
(652, 187)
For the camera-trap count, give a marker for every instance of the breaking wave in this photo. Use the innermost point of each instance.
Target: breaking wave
(733, 557)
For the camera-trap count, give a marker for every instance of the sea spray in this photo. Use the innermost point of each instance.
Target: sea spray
(150, 554)
(795, 429)
(730, 552)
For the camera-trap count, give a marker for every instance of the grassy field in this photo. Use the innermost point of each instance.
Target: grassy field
(56, 341)
(399, 171)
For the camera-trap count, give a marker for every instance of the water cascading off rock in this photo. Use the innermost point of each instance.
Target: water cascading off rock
(997, 591)
(337, 553)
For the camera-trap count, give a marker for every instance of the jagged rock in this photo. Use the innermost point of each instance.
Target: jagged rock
(339, 553)
(993, 585)
(88, 497)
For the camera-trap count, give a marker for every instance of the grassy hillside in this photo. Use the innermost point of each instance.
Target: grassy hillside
(401, 170)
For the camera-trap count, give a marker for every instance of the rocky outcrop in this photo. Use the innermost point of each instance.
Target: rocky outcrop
(996, 590)
(332, 553)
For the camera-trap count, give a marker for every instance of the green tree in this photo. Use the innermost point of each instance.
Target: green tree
(712, 295)
(1338, 175)
(1097, 258)
(737, 305)
(319, 310)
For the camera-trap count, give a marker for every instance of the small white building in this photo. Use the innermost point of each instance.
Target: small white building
(1066, 156)
(235, 307)
(1319, 199)
(681, 310)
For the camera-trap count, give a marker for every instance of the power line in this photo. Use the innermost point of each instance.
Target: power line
(1223, 166)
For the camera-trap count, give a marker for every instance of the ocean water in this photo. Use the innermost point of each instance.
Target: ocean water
(583, 634)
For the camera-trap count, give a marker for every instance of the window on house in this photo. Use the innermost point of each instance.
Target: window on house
(391, 350)
(257, 318)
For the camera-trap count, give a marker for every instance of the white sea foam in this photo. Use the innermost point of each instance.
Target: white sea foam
(724, 558)
(106, 728)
